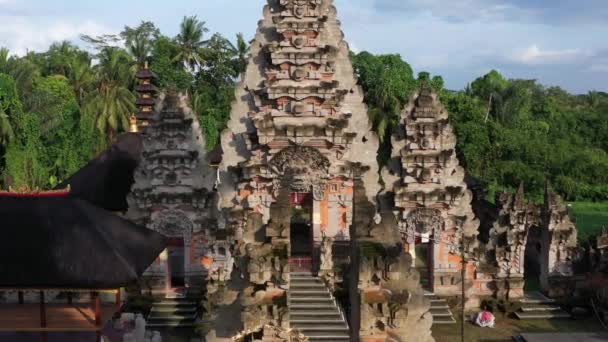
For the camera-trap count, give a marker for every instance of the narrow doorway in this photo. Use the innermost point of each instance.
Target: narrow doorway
(176, 266)
(301, 233)
(532, 260)
(423, 262)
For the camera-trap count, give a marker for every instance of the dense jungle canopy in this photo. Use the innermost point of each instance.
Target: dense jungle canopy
(61, 107)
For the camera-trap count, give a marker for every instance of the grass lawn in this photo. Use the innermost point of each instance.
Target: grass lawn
(590, 218)
(506, 328)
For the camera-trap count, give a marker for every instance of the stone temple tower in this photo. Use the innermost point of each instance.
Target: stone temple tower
(298, 185)
(173, 193)
(432, 201)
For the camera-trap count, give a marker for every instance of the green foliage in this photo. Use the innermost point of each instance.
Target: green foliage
(52, 98)
(388, 83)
(10, 108)
(528, 133)
(170, 74)
(24, 166)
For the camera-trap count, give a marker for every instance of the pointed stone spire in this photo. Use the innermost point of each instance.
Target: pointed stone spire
(520, 201)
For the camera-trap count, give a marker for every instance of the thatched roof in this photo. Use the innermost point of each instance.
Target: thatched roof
(61, 242)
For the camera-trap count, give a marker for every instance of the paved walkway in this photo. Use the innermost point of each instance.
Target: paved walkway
(111, 334)
(566, 337)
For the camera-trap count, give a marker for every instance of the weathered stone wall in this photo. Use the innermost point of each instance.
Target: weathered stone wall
(555, 235)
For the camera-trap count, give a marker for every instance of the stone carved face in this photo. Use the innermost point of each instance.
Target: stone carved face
(173, 223)
(305, 168)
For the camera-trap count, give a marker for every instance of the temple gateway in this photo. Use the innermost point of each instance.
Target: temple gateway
(292, 231)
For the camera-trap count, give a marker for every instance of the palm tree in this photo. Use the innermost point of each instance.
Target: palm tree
(140, 40)
(112, 103)
(58, 58)
(241, 53)
(190, 41)
(6, 129)
(81, 78)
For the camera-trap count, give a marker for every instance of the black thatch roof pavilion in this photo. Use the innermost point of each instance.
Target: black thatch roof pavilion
(54, 241)
(64, 242)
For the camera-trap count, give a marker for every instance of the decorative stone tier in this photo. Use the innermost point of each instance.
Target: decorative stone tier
(432, 202)
(172, 194)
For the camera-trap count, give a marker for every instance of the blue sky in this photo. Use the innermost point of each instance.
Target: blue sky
(558, 42)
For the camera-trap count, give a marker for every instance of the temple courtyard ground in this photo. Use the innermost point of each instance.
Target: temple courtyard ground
(506, 328)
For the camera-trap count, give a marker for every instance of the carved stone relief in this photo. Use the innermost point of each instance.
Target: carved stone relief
(173, 223)
(422, 221)
(305, 168)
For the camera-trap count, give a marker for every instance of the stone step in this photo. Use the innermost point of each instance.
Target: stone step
(440, 312)
(444, 320)
(536, 307)
(313, 311)
(180, 309)
(306, 282)
(318, 315)
(438, 306)
(542, 314)
(302, 278)
(171, 317)
(322, 307)
(301, 275)
(304, 289)
(315, 321)
(171, 322)
(170, 325)
(176, 303)
(536, 298)
(322, 328)
(309, 294)
(311, 300)
(315, 293)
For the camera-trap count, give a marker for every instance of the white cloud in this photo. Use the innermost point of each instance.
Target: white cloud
(599, 67)
(534, 55)
(22, 34)
(461, 10)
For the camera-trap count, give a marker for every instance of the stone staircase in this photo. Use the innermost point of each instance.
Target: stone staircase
(174, 311)
(535, 305)
(440, 310)
(313, 311)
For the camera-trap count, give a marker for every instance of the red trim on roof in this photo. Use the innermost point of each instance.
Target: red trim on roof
(36, 194)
